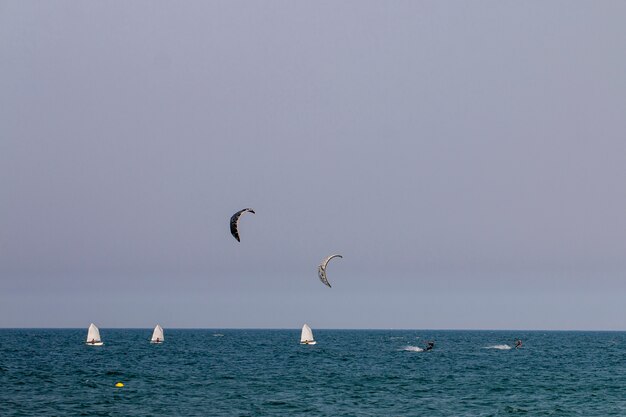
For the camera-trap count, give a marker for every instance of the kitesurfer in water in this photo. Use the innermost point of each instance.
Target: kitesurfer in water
(518, 343)
(430, 345)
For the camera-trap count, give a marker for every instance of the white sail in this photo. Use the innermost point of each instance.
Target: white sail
(93, 336)
(306, 337)
(157, 335)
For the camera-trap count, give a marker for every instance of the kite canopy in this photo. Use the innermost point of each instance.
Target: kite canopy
(321, 269)
(234, 222)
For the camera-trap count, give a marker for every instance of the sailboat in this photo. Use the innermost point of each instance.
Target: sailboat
(93, 336)
(306, 338)
(157, 335)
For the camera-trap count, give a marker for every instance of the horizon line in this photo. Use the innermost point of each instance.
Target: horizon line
(323, 328)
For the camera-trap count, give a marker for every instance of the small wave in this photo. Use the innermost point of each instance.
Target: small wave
(396, 337)
(412, 349)
(499, 347)
(113, 373)
(90, 384)
(218, 335)
(514, 410)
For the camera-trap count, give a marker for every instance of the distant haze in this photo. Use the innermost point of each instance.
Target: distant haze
(468, 160)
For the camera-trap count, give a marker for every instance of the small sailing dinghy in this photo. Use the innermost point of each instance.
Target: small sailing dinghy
(157, 335)
(306, 338)
(93, 336)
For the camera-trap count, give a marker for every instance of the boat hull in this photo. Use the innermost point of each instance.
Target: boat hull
(308, 343)
(94, 344)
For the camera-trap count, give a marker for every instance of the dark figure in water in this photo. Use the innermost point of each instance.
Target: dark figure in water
(430, 346)
(518, 343)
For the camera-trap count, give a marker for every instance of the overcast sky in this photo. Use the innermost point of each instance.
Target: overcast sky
(468, 160)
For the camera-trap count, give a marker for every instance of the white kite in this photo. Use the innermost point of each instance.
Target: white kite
(321, 270)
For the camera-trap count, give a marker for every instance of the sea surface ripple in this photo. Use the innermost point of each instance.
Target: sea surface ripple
(50, 372)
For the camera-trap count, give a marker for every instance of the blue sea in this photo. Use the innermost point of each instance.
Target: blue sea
(210, 372)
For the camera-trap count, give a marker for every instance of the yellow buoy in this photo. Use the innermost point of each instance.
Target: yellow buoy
(119, 385)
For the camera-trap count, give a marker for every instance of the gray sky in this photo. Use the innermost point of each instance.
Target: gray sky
(468, 159)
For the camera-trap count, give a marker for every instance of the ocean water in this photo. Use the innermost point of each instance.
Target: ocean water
(205, 372)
